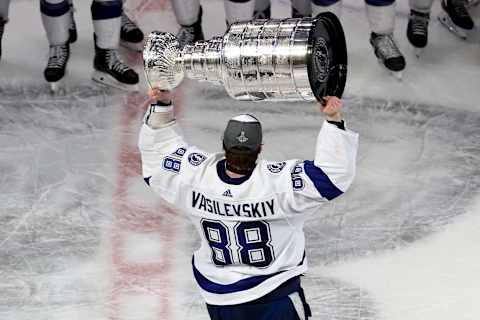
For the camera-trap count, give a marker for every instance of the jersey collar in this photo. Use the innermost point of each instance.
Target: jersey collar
(222, 174)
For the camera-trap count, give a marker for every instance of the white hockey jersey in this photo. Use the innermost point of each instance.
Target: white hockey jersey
(251, 228)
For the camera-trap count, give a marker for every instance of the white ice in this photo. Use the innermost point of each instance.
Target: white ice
(81, 236)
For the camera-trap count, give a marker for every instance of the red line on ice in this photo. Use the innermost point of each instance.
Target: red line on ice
(128, 277)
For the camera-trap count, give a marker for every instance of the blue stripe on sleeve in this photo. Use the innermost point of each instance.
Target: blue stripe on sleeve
(240, 285)
(322, 183)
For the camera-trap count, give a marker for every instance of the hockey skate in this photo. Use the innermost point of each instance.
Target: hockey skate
(111, 71)
(2, 29)
(388, 53)
(455, 17)
(192, 33)
(72, 28)
(131, 36)
(417, 30)
(57, 65)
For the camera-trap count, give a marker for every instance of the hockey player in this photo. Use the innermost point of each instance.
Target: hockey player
(189, 15)
(242, 10)
(417, 28)
(4, 6)
(249, 213)
(381, 16)
(455, 17)
(131, 36)
(58, 20)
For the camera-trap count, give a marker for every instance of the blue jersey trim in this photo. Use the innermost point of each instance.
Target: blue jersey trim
(218, 288)
(322, 182)
(240, 285)
(222, 174)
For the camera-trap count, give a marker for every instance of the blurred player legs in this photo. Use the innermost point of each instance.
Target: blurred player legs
(381, 16)
(456, 18)
(4, 7)
(108, 68)
(189, 15)
(417, 28)
(131, 36)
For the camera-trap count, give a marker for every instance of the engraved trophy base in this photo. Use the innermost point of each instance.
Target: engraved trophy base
(327, 60)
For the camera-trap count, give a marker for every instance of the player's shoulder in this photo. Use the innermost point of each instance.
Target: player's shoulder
(278, 168)
(279, 174)
(196, 158)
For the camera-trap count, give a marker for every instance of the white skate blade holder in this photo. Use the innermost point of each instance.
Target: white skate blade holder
(397, 75)
(58, 86)
(418, 52)
(108, 80)
(447, 22)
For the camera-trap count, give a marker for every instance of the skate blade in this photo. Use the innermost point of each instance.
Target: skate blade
(138, 47)
(397, 75)
(109, 81)
(448, 23)
(58, 87)
(418, 52)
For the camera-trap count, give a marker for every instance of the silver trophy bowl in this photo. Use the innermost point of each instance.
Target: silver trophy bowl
(275, 60)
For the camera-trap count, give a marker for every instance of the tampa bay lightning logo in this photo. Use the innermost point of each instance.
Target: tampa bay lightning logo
(196, 158)
(276, 167)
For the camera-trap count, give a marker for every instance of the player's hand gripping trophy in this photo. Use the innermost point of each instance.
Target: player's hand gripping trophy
(289, 59)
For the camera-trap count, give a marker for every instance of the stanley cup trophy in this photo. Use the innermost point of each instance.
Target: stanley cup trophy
(272, 60)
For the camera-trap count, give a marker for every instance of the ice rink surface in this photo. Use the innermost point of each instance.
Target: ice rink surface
(81, 236)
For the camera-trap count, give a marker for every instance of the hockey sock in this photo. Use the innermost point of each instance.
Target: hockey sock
(423, 6)
(381, 17)
(303, 7)
(239, 10)
(106, 17)
(186, 12)
(56, 19)
(334, 6)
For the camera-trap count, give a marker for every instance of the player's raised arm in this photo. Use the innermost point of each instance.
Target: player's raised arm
(162, 146)
(333, 169)
(336, 151)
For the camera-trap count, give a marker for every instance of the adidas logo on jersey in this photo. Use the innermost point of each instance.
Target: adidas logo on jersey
(227, 193)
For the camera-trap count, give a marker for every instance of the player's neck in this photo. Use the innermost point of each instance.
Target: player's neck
(233, 175)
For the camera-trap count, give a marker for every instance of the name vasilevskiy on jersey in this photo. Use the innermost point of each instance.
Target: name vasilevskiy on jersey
(251, 210)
